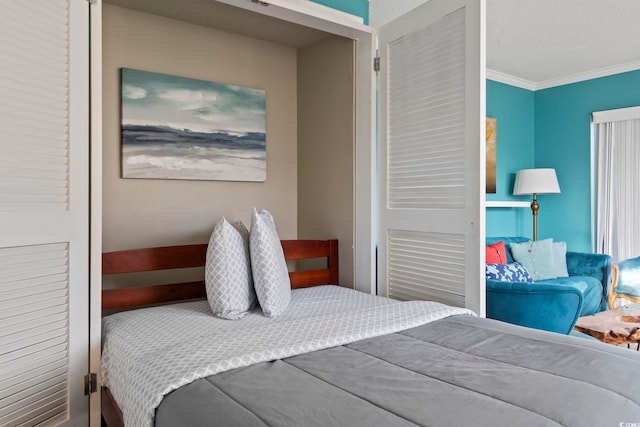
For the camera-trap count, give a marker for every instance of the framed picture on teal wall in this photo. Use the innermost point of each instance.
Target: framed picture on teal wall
(491, 154)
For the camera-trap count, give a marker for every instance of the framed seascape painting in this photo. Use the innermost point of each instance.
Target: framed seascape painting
(181, 128)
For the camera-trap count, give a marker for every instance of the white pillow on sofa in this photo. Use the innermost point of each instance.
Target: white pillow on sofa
(537, 256)
(228, 276)
(270, 273)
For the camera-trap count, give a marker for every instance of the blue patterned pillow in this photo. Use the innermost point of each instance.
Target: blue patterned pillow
(512, 272)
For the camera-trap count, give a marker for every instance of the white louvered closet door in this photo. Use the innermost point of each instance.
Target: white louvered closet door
(44, 212)
(431, 154)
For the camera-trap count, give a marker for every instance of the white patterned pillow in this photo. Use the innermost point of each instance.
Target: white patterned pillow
(228, 276)
(270, 273)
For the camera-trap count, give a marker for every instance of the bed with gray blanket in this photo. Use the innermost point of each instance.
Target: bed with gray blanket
(459, 371)
(339, 357)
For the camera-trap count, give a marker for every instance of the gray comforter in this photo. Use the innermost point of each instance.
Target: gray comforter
(459, 371)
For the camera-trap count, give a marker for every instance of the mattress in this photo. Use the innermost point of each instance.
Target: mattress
(147, 353)
(338, 357)
(457, 371)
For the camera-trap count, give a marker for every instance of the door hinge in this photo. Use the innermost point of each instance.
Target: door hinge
(376, 64)
(90, 383)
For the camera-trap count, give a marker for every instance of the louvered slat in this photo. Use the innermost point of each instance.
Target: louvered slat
(32, 316)
(427, 266)
(18, 254)
(51, 382)
(36, 324)
(426, 134)
(45, 380)
(19, 60)
(35, 305)
(34, 110)
(33, 369)
(10, 285)
(42, 140)
(25, 415)
(43, 151)
(28, 172)
(33, 334)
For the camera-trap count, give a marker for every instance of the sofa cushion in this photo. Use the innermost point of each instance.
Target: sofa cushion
(537, 257)
(592, 295)
(560, 258)
(513, 272)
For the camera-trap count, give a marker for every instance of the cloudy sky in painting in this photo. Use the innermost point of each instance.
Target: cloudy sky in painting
(182, 103)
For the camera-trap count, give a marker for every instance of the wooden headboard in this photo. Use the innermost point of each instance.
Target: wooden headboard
(187, 256)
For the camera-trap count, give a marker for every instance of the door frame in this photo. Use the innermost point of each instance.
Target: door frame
(304, 13)
(95, 191)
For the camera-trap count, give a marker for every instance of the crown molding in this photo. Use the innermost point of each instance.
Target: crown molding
(589, 75)
(508, 79)
(561, 81)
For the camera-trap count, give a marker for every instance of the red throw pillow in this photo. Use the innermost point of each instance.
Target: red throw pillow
(496, 253)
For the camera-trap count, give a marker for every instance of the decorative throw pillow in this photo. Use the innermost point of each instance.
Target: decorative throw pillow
(228, 277)
(496, 253)
(270, 273)
(560, 258)
(537, 257)
(512, 272)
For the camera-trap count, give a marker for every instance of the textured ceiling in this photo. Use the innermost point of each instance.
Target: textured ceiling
(542, 40)
(535, 40)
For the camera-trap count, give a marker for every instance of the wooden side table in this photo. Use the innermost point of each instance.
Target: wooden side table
(620, 325)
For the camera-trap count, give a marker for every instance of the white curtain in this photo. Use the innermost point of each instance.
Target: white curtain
(618, 188)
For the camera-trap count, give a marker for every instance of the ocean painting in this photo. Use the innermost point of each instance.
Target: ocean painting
(181, 128)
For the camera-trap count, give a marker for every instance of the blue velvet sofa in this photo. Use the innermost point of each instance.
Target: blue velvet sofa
(553, 304)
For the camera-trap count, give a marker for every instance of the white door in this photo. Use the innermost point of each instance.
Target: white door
(431, 154)
(44, 212)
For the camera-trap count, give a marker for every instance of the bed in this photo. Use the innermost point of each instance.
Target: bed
(339, 357)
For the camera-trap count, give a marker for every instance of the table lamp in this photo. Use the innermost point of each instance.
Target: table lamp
(536, 181)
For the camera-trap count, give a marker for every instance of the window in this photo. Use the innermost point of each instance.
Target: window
(617, 182)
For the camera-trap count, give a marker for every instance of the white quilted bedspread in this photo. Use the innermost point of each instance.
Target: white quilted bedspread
(149, 352)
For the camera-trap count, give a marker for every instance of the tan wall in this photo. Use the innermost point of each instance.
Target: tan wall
(142, 212)
(325, 146)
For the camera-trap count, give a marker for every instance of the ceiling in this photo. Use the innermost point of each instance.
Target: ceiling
(549, 41)
(531, 43)
(209, 13)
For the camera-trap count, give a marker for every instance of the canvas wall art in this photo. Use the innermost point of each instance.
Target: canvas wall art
(181, 128)
(491, 154)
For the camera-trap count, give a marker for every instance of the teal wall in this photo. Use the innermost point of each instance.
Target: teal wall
(355, 7)
(563, 142)
(514, 110)
(552, 128)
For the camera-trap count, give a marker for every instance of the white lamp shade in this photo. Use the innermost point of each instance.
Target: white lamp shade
(538, 181)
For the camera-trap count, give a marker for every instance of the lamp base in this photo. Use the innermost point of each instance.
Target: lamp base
(534, 211)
